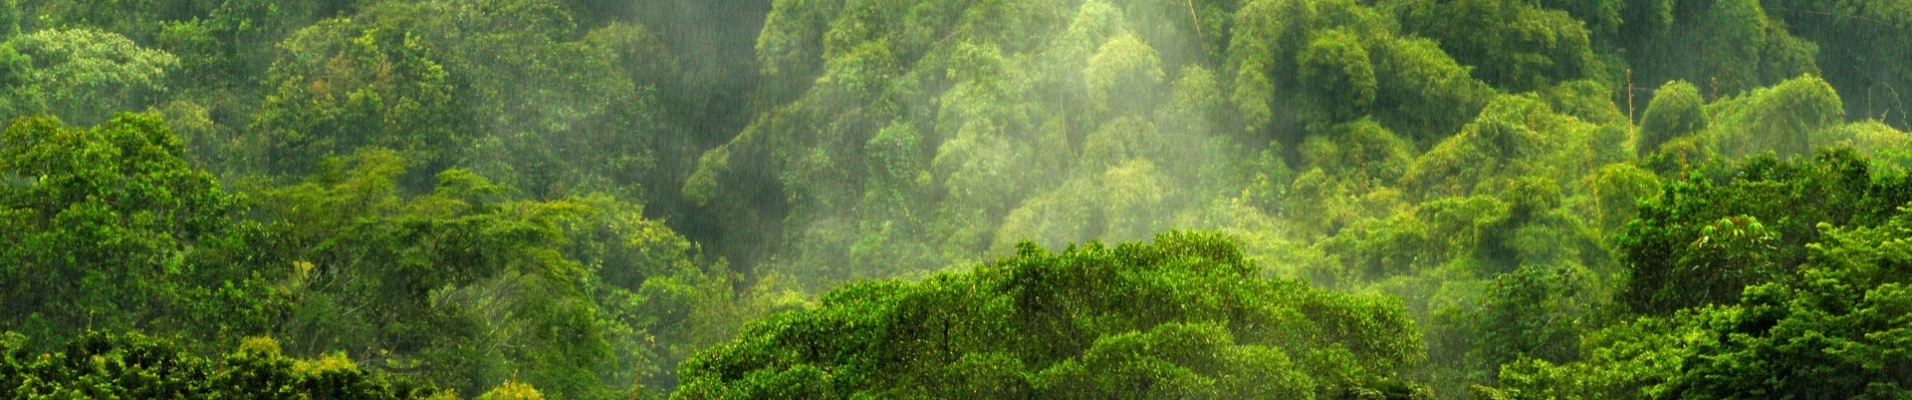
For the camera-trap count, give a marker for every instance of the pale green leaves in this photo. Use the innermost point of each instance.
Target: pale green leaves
(87, 75)
(1515, 136)
(1784, 118)
(1122, 73)
(1675, 111)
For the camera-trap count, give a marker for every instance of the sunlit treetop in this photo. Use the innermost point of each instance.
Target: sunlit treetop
(1182, 316)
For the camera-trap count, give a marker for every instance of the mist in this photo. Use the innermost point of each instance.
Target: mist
(956, 198)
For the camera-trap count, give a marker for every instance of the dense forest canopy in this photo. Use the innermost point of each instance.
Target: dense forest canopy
(611, 199)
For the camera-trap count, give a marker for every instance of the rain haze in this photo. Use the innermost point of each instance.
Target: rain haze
(955, 199)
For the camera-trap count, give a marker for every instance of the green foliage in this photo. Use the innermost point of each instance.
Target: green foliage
(1676, 110)
(1701, 242)
(1493, 237)
(1602, 17)
(82, 75)
(132, 365)
(1830, 334)
(1335, 68)
(1514, 44)
(1531, 313)
(228, 46)
(1123, 71)
(1870, 138)
(1516, 136)
(343, 86)
(468, 288)
(1425, 94)
(1858, 30)
(350, 243)
(928, 135)
(1830, 329)
(1726, 47)
(1616, 189)
(461, 286)
(1784, 118)
(1183, 316)
(1632, 359)
(557, 109)
(467, 192)
(1588, 100)
(1361, 151)
(9, 20)
(1329, 62)
(108, 228)
(512, 391)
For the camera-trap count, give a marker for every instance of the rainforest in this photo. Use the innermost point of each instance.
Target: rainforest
(955, 199)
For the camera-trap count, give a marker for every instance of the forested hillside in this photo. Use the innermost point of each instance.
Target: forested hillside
(612, 199)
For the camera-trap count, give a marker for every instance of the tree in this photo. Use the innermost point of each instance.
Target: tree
(458, 286)
(469, 288)
(1725, 47)
(1423, 93)
(1122, 72)
(1700, 242)
(1536, 312)
(1181, 316)
(1602, 17)
(106, 365)
(108, 228)
(558, 109)
(1335, 68)
(1784, 118)
(1514, 44)
(512, 391)
(1832, 328)
(343, 86)
(1831, 332)
(1848, 31)
(82, 75)
(230, 45)
(1361, 151)
(1676, 110)
(1336, 61)
(9, 20)
(1514, 137)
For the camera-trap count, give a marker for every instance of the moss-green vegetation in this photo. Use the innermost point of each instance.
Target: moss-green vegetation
(597, 199)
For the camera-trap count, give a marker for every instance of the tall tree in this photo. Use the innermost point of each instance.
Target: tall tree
(107, 228)
(1182, 316)
(82, 75)
(343, 86)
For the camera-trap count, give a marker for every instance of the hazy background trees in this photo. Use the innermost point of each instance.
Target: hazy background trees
(569, 198)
